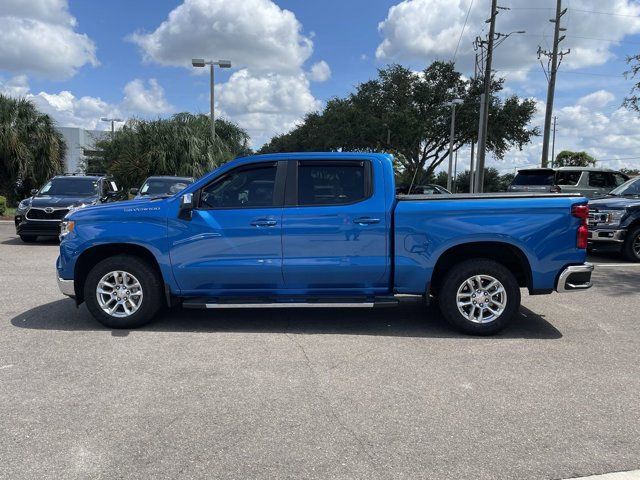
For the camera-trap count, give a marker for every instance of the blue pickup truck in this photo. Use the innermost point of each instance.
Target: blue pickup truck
(321, 230)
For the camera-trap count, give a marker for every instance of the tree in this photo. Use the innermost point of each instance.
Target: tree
(567, 158)
(632, 101)
(631, 172)
(31, 149)
(494, 182)
(405, 112)
(181, 145)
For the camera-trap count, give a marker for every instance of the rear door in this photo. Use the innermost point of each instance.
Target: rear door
(600, 183)
(334, 227)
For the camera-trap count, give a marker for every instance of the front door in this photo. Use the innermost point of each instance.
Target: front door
(232, 243)
(334, 233)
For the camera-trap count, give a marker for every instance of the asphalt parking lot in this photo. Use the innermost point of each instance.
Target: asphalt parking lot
(384, 394)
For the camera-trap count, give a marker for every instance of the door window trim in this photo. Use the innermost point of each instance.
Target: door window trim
(291, 187)
(278, 187)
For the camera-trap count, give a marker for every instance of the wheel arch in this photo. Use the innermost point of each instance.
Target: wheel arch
(507, 254)
(91, 256)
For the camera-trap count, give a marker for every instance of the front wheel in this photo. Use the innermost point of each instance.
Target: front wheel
(123, 291)
(631, 247)
(479, 297)
(28, 238)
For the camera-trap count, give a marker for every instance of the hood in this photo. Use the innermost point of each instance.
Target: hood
(60, 201)
(120, 209)
(614, 203)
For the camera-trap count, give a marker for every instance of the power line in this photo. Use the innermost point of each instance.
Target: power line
(613, 14)
(462, 32)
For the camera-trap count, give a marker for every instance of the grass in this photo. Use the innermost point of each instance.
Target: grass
(9, 212)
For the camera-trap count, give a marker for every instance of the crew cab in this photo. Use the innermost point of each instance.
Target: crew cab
(614, 221)
(321, 230)
(41, 214)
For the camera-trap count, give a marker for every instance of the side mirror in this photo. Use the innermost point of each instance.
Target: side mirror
(186, 206)
(133, 191)
(34, 191)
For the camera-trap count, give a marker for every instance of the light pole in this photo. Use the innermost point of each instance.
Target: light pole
(112, 120)
(452, 104)
(200, 62)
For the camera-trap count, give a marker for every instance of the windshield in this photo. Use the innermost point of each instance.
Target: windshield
(534, 178)
(70, 186)
(630, 187)
(163, 186)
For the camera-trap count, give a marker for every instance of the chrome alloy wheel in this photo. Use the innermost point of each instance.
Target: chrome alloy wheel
(119, 294)
(481, 299)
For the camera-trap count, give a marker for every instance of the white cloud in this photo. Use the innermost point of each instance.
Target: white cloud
(17, 86)
(270, 93)
(320, 72)
(425, 30)
(85, 112)
(253, 33)
(266, 104)
(601, 98)
(38, 37)
(146, 100)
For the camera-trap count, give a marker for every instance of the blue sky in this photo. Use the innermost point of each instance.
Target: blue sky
(80, 60)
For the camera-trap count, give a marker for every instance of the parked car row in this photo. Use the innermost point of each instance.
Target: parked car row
(42, 213)
(588, 182)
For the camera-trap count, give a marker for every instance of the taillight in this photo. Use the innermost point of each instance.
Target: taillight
(555, 189)
(581, 212)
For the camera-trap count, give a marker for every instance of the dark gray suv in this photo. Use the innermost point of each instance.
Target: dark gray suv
(590, 182)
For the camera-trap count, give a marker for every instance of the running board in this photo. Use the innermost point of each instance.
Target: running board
(304, 302)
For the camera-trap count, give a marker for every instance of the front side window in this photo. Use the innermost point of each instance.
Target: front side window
(331, 184)
(600, 180)
(244, 187)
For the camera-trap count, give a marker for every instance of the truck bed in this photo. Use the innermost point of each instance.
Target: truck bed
(483, 196)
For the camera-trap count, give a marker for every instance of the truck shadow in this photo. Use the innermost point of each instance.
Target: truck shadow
(42, 241)
(401, 321)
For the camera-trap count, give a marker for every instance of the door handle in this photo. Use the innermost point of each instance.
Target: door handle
(264, 222)
(366, 220)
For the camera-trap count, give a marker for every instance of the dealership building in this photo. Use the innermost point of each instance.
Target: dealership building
(80, 148)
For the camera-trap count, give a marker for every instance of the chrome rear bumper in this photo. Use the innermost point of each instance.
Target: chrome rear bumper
(575, 277)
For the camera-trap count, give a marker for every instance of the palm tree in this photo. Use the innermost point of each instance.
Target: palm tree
(180, 145)
(31, 149)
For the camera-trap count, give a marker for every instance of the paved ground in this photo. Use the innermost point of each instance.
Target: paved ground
(388, 394)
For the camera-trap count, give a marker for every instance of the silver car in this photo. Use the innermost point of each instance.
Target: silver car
(590, 182)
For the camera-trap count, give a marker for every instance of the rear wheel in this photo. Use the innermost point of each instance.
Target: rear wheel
(123, 291)
(631, 247)
(28, 238)
(479, 297)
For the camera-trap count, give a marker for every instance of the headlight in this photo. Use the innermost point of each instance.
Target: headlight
(610, 216)
(24, 205)
(66, 227)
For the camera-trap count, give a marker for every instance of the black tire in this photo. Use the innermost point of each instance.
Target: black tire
(28, 238)
(458, 275)
(150, 281)
(632, 239)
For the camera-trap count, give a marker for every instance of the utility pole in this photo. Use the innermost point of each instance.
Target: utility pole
(484, 105)
(452, 104)
(553, 69)
(553, 142)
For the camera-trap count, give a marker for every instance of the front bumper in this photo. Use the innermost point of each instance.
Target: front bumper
(35, 227)
(607, 235)
(575, 277)
(67, 287)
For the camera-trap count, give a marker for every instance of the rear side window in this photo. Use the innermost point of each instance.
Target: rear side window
(533, 178)
(332, 184)
(568, 178)
(619, 178)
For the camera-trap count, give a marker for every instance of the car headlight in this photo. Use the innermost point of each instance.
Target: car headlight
(66, 227)
(24, 205)
(610, 216)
